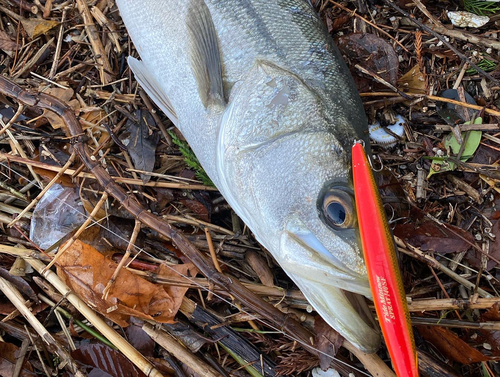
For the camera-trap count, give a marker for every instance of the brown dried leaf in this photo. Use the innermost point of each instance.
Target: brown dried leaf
(328, 341)
(430, 236)
(492, 337)
(451, 345)
(371, 52)
(87, 272)
(198, 208)
(141, 142)
(412, 81)
(138, 338)
(8, 356)
(99, 359)
(64, 95)
(7, 44)
(35, 27)
(177, 293)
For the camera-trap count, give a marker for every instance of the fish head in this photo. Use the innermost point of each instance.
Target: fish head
(284, 157)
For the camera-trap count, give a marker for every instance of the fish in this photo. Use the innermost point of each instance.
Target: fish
(263, 97)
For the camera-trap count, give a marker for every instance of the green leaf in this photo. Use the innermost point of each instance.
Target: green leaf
(481, 7)
(473, 139)
(191, 160)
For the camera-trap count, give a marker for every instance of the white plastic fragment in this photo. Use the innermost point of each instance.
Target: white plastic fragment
(55, 215)
(382, 137)
(467, 19)
(330, 372)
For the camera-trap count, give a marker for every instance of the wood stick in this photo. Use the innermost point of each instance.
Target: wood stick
(126, 348)
(129, 181)
(180, 352)
(15, 297)
(100, 56)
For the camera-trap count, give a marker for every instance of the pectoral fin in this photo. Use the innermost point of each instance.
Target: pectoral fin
(205, 55)
(152, 88)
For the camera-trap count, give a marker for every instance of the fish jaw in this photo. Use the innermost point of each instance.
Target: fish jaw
(323, 278)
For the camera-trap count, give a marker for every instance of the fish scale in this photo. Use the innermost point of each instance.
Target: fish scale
(269, 107)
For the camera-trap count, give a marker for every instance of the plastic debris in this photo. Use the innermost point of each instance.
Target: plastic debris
(380, 136)
(56, 214)
(467, 19)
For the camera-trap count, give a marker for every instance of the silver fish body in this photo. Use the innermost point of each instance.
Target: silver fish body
(267, 104)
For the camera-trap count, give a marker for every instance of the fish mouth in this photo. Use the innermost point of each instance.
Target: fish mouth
(324, 279)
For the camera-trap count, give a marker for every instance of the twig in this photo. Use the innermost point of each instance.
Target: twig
(48, 9)
(15, 297)
(490, 326)
(371, 361)
(381, 80)
(417, 253)
(180, 352)
(441, 29)
(212, 250)
(436, 98)
(19, 111)
(57, 53)
(128, 350)
(130, 181)
(103, 21)
(124, 260)
(100, 57)
(20, 357)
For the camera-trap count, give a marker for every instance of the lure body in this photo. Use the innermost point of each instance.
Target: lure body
(381, 264)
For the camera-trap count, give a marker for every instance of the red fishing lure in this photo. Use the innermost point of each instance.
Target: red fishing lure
(383, 272)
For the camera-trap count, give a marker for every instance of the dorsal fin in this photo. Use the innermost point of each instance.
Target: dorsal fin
(205, 54)
(152, 88)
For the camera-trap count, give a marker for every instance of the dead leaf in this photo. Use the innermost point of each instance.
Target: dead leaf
(198, 208)
(7, 44)
(8, 356)
(430, 236)
(99, 359)
(451, 345)
(64, 95)
(176, 292)
(35, 27)
(328, 341)
(412, 81)
(88, 272)
(371, 52)
(492, 337)
(141, 141)
(138, 338)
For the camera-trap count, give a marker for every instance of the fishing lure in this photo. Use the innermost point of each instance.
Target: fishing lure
(381, 264)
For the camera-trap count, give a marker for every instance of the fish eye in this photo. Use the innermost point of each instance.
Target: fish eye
(338, 208)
